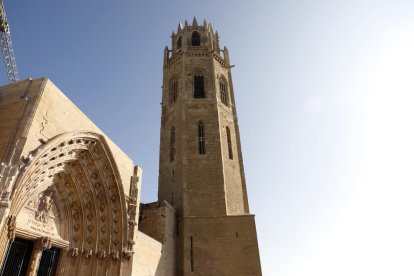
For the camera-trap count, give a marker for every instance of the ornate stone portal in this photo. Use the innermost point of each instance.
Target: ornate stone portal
(69, 195)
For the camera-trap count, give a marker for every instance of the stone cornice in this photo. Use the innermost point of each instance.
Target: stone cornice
(196, 52)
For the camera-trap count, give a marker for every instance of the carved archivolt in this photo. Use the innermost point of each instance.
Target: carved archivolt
(72, 182)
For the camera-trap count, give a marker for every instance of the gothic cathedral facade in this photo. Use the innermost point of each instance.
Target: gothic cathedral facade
(70, 197)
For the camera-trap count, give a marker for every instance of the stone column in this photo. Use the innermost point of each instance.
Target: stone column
(41, 244)
(7, 234)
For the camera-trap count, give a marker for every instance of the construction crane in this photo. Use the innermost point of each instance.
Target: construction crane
(7, 46)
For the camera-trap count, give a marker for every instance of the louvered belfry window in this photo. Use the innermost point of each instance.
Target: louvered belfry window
(173, 91)
(223, 93)
(196, 39)
(199, 86)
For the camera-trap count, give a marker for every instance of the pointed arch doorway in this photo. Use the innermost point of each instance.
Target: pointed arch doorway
(68, 202)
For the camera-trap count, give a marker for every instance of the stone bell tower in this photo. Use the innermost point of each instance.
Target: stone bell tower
(201, 168)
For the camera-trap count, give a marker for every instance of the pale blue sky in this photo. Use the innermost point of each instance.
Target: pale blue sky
(325, 95)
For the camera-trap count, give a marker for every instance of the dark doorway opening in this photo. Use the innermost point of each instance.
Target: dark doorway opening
(17, 258)
(48, 262)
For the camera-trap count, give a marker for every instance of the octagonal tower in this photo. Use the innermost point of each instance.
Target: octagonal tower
(201, 170)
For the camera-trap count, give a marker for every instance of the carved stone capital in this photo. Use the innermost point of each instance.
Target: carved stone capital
(115, 255)
(11, 227)
(74, 252)
(132, 223)
(44, 243)
(101, 254)
(127, 254)
(88, 253)
(130, 244)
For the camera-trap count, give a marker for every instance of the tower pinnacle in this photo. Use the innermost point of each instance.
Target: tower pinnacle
(195, 24)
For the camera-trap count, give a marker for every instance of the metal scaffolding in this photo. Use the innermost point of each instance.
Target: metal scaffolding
(7, 46)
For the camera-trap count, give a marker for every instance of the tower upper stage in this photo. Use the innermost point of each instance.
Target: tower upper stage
(194, 37)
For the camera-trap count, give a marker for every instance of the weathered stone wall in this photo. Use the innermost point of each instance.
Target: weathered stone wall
(17, 101)
(190, 170)
(221, 246)
(236, 194)
(47, 113)
(148, 255)
(157, 220)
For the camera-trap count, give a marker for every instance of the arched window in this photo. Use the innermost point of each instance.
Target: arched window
(179, 42)
(172, 144)
(195, 39)
(224, 96)
(229, 143)
(173, 90)
(201, 138)
(199, 86)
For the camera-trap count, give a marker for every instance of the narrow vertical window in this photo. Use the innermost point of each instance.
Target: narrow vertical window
(229, 143)
(172, 144)
(173, 91)
(191, 254)
(177, 218)
(224, 96)
(195, 39)
(199, 86)
(201, 138)
(179, 42)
